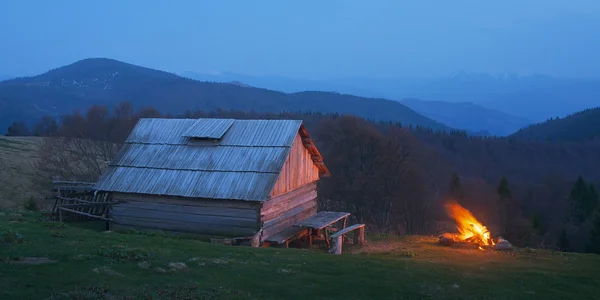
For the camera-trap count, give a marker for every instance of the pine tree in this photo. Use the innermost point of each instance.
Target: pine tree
(583, 200)
(592, 199)
(504, 190)
(593, 245)
(563, 241)
(505, 202)
(455, 189)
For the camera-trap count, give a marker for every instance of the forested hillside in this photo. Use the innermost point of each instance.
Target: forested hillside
(108, 82)
(583, 125)
(395, 178)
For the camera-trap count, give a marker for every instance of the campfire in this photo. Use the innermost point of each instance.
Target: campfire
(470, 230)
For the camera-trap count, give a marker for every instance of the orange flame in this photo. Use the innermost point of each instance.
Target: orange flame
(468, 226)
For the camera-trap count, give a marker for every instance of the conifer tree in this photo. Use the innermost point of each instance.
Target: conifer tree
(563, 241)
(593, 245)
(455, 188)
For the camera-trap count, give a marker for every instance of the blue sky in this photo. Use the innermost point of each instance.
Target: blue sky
(307, 39)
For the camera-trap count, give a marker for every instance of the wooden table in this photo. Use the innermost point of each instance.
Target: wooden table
(322, 220)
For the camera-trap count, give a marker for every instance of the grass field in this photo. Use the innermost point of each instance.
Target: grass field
(85, 263)
(17, 159)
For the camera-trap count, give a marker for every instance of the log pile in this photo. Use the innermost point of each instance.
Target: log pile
(451, 239)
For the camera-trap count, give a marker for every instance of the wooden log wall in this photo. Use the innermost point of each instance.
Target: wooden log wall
(298, 170)
(285, 210)
(224, 218)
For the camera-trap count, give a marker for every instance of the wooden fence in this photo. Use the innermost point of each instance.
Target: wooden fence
(79, 201)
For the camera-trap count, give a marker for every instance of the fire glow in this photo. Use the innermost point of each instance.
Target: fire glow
(469, 228)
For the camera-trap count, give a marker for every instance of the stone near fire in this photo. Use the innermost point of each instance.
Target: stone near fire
(447, 239)
(503, 244)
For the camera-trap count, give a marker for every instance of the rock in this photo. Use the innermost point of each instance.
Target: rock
(177, 266)
(106, 271)
(144, 265)
(447, 239)
(31, 260)
(503, 244)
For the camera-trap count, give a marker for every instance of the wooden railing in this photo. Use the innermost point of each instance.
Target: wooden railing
(80, 199)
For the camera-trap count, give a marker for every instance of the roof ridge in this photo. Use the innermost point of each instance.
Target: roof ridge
(208, 145)
(190, 170)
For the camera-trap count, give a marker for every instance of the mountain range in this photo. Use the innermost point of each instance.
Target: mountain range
(106, 82)
(475, 118)
(533, 97)
(100, 81)
(583, 125)
(502, 102)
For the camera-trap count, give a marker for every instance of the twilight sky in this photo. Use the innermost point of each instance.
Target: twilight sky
(307, 39)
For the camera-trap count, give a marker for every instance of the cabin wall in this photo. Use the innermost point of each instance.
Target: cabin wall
(287, 209)
(298, 170)
(223, 218)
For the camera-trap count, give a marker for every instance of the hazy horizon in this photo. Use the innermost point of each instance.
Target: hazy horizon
(308, 40)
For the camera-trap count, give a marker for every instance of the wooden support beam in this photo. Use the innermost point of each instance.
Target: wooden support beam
(86, 205)
(61, 209)
(79, 200)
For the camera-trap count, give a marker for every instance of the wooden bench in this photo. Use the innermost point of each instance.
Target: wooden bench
(321, 221)
(337, 239)
(284, 237)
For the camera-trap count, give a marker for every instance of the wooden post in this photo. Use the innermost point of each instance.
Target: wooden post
(344, 226)
(336, 245)
(361, 236)
(60, 215)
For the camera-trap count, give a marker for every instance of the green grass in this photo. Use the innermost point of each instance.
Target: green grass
(90, 264)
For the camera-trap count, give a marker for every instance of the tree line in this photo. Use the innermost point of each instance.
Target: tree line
(391, 177)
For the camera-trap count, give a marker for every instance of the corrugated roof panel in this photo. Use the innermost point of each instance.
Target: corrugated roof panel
(209, 128)
(209, 158)
(196, 184)
(160, 131)
(262, 133)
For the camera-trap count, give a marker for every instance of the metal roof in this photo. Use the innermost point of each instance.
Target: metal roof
(209, 128)
(241, 161)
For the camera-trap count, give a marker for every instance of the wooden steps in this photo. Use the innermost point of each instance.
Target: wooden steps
(284, 237)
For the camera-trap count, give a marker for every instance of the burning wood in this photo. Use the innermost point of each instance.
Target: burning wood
(470, 230)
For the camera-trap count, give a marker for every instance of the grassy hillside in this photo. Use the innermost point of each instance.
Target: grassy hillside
(580, 126)
(47, 260)
(107, 82)
(17, 159)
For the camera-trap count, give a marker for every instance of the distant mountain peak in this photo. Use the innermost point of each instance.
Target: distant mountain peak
(101, 81)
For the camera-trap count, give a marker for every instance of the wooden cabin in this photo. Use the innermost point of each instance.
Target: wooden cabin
(214, 177)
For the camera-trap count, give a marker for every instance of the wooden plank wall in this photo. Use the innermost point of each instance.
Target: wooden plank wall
(226, 218)
(285, 210)
(298, 170)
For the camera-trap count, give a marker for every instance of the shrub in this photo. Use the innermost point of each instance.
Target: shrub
(10, 237)
(30, 204)
(53, 224)
(124, 253)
